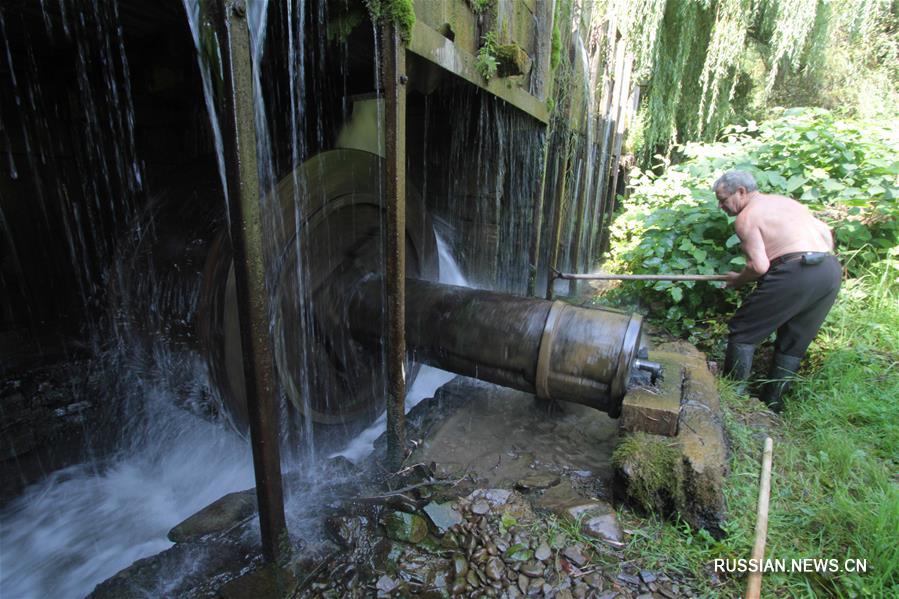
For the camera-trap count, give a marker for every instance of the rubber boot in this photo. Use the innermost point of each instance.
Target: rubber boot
(780, 377)
(738, 360)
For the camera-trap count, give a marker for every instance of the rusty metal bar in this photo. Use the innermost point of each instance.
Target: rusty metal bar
(580, 205)
(559, 198)
(537, 226)
(393, 65)
(242, 176)
(602, 276)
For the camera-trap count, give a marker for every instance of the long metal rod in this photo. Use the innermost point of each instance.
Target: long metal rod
(602, 276)
(239, 136)
(393, 62)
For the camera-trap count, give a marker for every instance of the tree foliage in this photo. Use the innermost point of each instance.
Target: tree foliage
(724, 56)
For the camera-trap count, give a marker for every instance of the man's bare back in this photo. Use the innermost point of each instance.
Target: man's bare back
(785, 225)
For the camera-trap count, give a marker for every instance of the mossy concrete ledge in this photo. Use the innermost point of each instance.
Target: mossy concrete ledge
(681, 474)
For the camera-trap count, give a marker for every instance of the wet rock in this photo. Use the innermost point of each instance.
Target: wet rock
(604, 527)
(422, 567)
(460, 566)
(543, 552)
(409, 528)
(647, 576)
(532, 569)
(472, 579)
(480, 508)
(629, 579)
(563, 594)
(523, 583)
(538, 480)
(349, 531)
(212, 560)
(448, 470)
(443, 515)
(518, 552)
(667, 592)
(341, 466)
(269, 581)
(495, 569)
(574, 554)
(219, 516)
(386, 584)
(495, 497)
(595, 581)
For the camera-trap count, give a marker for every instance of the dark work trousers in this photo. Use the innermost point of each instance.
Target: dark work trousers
(791, 298)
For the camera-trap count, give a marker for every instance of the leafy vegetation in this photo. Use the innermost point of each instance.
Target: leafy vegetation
(481, 6)
(834, 492)
(845, 171)
(399, 12)
(732, 57)
(486, 62)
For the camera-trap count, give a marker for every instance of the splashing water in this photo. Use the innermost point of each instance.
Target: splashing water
(83, 524)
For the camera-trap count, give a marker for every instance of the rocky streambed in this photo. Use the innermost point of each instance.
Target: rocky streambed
(497, 499)
(523, 542)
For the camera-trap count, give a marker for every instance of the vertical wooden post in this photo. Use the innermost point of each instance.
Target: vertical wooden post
(754, 584)
(393, 64)
(623, 112)
(242, 177)
(614, 126)
(580, 206)
(602, 115)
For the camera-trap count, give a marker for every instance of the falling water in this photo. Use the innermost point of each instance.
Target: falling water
(83, 524)
(197, 29)
(485, 182)
(426, 381)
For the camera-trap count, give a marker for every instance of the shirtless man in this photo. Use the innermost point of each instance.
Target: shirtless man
(788, 251)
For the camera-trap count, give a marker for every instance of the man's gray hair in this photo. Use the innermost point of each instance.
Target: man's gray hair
(733, 180)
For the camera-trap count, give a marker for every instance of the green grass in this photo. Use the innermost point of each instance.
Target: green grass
(835, 489)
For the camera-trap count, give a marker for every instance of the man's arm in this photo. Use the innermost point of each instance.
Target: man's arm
(753, 245)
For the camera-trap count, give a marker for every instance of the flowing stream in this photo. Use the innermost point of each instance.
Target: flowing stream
(81, 525)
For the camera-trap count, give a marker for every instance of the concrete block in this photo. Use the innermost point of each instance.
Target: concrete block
(704, 451)
(655, 411)
(698, 466)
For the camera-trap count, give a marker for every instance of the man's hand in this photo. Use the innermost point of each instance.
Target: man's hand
(733, 280)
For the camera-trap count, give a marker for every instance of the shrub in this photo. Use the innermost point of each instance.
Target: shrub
(847, 172)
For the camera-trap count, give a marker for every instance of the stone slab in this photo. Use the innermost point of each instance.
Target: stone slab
(219, 516)
(268, 581)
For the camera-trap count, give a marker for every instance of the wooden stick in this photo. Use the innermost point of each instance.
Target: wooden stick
(754, 585)
(601, 276)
